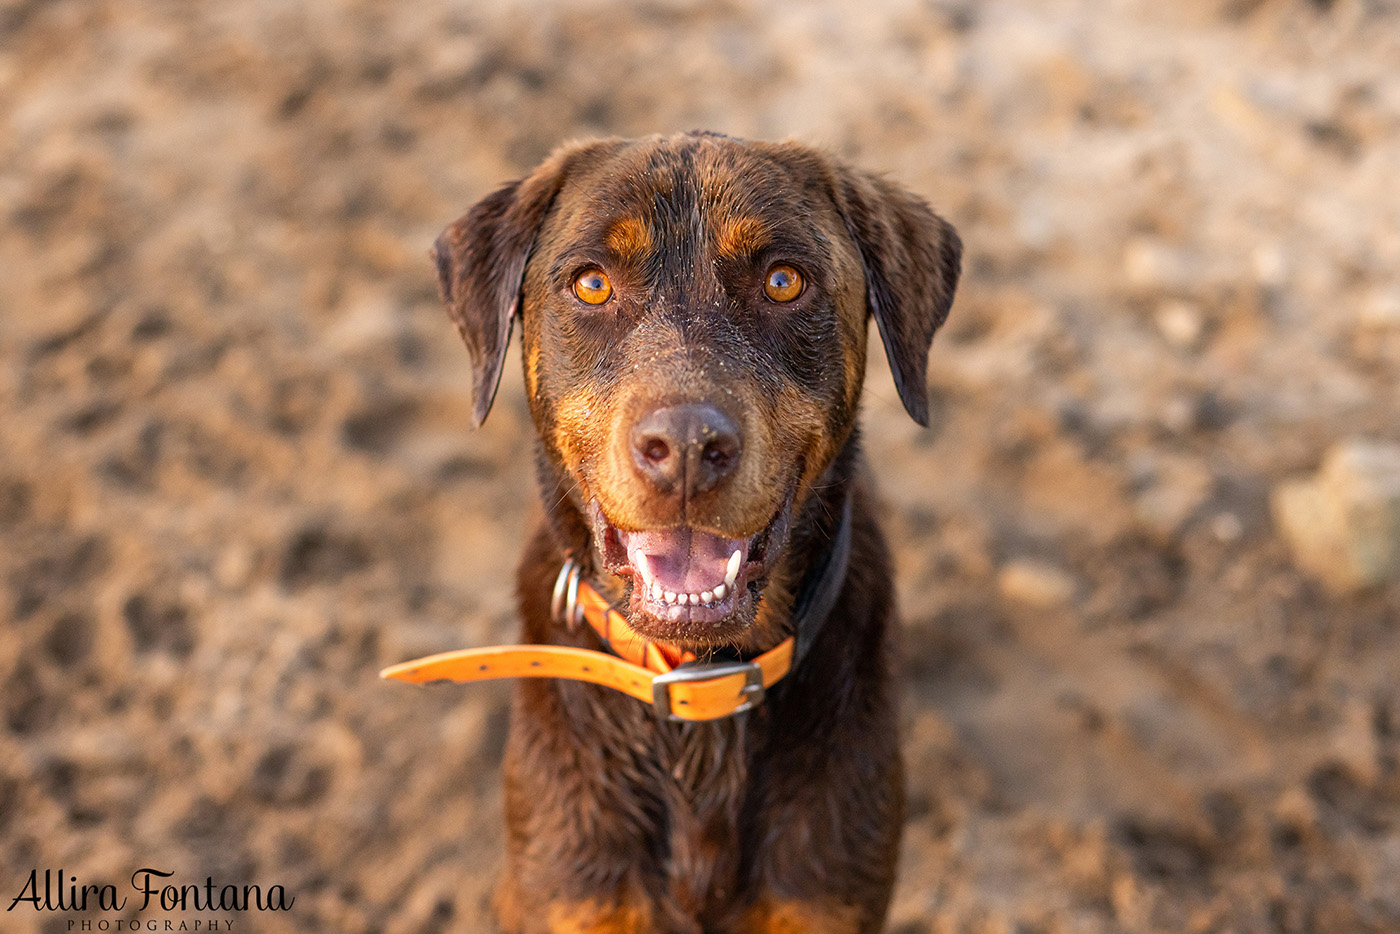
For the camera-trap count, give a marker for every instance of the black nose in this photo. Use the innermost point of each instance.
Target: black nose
(685, 448)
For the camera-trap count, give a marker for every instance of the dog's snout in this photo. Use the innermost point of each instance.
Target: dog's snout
(685, 448)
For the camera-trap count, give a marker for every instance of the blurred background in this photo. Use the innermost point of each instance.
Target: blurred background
(1147, 556)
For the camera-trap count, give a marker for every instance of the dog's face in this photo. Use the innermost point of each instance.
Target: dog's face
(695, 316)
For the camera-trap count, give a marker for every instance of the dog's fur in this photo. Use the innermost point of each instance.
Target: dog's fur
(785, 818)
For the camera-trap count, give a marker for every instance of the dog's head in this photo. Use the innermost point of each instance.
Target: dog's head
(695, 315)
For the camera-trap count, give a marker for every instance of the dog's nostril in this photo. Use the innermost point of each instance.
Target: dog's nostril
(656, 450)
(716, 454)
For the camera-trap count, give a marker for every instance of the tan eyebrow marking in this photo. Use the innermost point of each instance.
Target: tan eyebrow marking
(741, 236)
(629, 237)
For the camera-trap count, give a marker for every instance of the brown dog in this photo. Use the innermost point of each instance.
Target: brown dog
(695, 311)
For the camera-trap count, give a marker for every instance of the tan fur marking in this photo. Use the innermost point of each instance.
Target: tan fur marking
(576, 433)
(629, 237)
(593, 918)
(532, 370)
(787, 917)
(741, 237)
(803, 427)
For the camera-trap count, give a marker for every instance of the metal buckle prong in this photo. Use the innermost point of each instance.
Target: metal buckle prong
(700, 671)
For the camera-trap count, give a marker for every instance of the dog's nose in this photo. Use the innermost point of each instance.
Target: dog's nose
(688, 448)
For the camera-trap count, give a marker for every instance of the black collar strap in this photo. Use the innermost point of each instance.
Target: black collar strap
(821, 586)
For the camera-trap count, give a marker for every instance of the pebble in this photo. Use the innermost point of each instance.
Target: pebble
(1227, 527)
(1355, 745)
(1035, 583)
(1343, 525)
(1270, 265)
(1151, 263)
(235, 565)
(1180, 323)
(1381, 309)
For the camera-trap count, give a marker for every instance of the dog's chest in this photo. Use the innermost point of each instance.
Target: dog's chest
(704, 783)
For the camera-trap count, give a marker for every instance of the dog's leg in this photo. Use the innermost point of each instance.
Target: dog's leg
(579, 838)
(519, 913)
(594, 918)
(776, 916)
(828, 863)
(829, 866)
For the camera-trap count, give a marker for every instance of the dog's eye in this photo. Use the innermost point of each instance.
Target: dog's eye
(592, 286)
(783, 284)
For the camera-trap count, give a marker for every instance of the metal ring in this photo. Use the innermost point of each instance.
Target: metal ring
(561, 586)
(573, 610)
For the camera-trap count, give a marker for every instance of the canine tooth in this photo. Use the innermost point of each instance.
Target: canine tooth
(656, 592)
(707, 597)
(669, 596)
(720, 591)
(731, 574)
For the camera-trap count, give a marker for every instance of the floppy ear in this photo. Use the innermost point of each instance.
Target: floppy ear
(912, 258)
(481, 267)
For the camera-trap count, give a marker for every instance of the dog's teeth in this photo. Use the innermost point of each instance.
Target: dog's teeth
(694, 599)
(720, 591)
(731, 574)
(707, 597)
(656, 592)
(669, 596)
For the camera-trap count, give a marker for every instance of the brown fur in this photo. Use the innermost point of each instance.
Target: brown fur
(785, 819)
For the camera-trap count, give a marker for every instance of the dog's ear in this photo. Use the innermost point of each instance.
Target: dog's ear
(912, 259)
(481, 267)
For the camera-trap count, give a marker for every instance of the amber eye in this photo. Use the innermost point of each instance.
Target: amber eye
(784, 283)
(592, 286)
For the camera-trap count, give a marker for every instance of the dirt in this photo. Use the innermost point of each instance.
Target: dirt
(236, 476)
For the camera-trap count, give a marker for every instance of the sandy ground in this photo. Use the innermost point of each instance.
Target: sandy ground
(236, 476)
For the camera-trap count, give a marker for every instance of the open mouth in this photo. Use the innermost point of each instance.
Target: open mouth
(683, 577)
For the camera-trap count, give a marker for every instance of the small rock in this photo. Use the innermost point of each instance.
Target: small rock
(1035, 583)
(1227, 527)
(1128, 899)
(1149, 262)
(1355, 744)
(1381, 310)
(1343, 525)
(1036, 224)
(1238, 109)
(234, 567)
(1270, 265)
(1180, 322)
(1295, 810)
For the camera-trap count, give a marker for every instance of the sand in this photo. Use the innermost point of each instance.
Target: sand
(237, 477)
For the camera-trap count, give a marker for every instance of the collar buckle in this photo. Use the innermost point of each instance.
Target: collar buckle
(752, 691)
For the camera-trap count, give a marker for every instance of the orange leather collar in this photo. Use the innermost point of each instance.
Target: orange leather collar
(674, 682)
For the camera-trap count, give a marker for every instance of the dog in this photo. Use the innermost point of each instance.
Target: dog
(695, 313)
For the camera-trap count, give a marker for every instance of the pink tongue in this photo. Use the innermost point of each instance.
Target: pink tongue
(683, 560)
